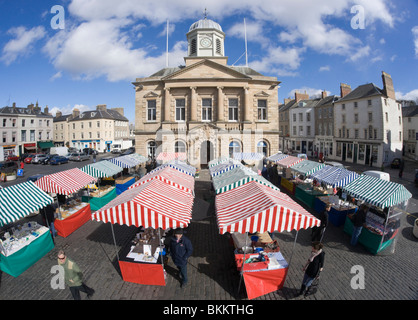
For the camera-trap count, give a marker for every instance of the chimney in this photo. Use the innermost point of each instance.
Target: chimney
(301, 96)
(286, 101)
(31, 106)
(101, 107)
(120, 110)
(76, 113)
(344, 89)
(46, 110)
(323, 94)
(58, 114)
(388, 89)
(14, 105)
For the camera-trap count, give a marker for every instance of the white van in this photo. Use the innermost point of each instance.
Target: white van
(378, 174)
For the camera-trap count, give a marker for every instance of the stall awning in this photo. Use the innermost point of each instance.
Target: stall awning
(307, 167)
(171, 176)
(257, 208)
(46, 145)
(180, 166)
(217, 161)
(277, 157)
(378, 192)
(102, 169)
(123, 162)
(248, 156)
(335, 177)
(153, 204)
(65, 182)
(224, 167)
(138, 158)
(169, 156)
(20, 200)
(289, 161)
(238, 177)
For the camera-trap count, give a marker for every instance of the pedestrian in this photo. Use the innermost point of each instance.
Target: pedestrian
(265, 172)
(48, 216)
(401, 166)
(73, 277)
(22, 165)
(94, 157)
(318, 232)
(181, 249)
(274, 175)
(371, 160)
(313, 267)
(359, 220)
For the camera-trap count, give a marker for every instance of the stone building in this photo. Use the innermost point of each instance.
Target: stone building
(206, 108)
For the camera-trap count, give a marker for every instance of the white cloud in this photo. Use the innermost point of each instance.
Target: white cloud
(254, 32)
(324, 68)
(411, 95)
(415, 34)
(22, 43)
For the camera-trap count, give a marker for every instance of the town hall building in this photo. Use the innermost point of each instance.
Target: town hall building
(206, 108)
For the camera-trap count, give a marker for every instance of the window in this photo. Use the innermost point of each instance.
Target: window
(369, 102)
(348, 133)
(179, 146)
(151, 147)
(356, 133)
(4, 122)
(375, 133)
(207, 109)
(234, 146)
(294, 130)
(180, 109)
(98, 124)
(262, 109)
(23, 135)
(262, 148)
(218, 46)
(14, 123)
(355, 104)
(400, 135)
(294, 117)
(300, 117)
(193, 47)
(370, 132)
(233, 109)
(308, 130)
(89, 124)
(343, 106)
(400, 120)
(23, 122)
(343, 118)
(151, 110)
(4, 137)
(32, 135)
(356, 118)
(370, 117)
(73, 125)
(387, 116)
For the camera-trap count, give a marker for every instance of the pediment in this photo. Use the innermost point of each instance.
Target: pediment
(206, 69)
(262, 94)
(204, 127)
(151, 94)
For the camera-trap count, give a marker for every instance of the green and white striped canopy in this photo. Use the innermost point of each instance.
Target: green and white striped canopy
(238, 177)
(20, 200)
(378, 192)
(307, 167)
(102, 169)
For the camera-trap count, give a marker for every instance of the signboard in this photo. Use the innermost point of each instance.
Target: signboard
(20, 173)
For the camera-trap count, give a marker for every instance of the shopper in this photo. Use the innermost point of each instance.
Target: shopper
(313, 267)
(73, 277)
(359, 220)
(318, 232)
(181, 249)
(48, 217)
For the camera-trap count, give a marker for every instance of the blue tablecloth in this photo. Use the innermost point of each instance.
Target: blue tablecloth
(21, 260)
(121, 187)
(336, 217)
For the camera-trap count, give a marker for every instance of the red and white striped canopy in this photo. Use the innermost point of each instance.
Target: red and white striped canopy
(171, 176)
(254, 207)
(65, 182)
(169, 156)
(152, 204)
(289, 161)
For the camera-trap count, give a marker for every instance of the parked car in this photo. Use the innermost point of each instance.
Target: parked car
(8, 167)
(90, 151)
(116, 150)
(416, 177)
(58, 160)
(334, 164)
(12, 158)
(47, 158)
(378, 174)
(79, 157)
(128, 151)
(395, 163)
(29, 158)
(35, 177)
(73, 150)
(38, 158)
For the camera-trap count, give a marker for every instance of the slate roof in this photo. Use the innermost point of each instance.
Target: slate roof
(363, 91)
(410, 111)
(24, 111)
(93, 115)
(327, 100)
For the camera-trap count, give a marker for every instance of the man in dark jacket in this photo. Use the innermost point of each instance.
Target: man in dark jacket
(318, 232)
(181, 249)
(313, 267)
(359, 220)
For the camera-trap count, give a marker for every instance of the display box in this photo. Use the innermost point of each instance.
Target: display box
(252, 265)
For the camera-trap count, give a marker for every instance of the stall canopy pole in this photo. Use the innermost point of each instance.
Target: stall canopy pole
(293, 249)
(243, 262)
(114, 240)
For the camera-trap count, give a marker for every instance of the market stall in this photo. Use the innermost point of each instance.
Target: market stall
(256, 208)
(385, 200)
(223, 167)
(277, 157)
(237, 177)
(154, 204)
(71, 214)
(24, 244)
(179, 166)
(287, 181)
(104, 192)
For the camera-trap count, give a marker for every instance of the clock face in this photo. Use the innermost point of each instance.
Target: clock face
(206, 42)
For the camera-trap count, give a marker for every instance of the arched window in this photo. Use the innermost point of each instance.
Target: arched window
(234, 146)
(262, 148)
(151, 147)
(180, 146)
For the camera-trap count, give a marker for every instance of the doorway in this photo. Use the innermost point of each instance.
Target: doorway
(206, 153)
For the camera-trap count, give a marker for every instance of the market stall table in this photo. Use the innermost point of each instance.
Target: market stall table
(72, 218)
(307, 193)
(339, 209)
(123, 183)
(100, 197)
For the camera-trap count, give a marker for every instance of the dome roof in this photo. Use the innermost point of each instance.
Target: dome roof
(205, 24)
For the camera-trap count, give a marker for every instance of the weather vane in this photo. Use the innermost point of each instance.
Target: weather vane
(205, 14)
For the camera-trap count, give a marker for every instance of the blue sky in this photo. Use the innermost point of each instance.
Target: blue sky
(105, 44)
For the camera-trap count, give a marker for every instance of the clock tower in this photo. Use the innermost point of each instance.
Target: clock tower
(205, 40)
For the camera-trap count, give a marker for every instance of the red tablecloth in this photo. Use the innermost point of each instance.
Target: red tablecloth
(142, 273)
(259, 283)
(69, 225)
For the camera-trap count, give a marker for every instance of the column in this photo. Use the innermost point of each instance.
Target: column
(220, 104)
(193, 104)
(247, 105)
(167, 99)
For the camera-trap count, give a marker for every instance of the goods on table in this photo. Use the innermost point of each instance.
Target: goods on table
(146, 246)
(21, 237)
(69, 209)
(101, 191)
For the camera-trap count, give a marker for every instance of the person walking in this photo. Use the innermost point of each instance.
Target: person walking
(401, 167)
(73, 277)
(94, 157)
(318, 232)
(48, 217)
(180, 250)
(359, 220)
(313, 267)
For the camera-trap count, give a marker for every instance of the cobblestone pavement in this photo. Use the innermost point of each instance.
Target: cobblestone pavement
(211, 268)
